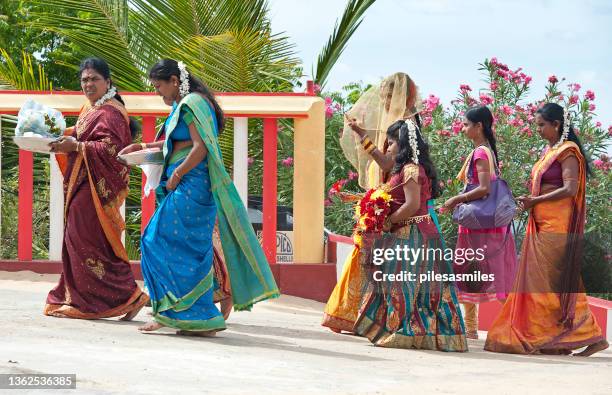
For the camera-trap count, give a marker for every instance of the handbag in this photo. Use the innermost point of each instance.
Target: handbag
(491, 211)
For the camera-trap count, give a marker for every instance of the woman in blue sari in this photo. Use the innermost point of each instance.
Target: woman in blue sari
(177, 245)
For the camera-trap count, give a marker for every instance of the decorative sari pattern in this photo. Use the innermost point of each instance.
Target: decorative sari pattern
(96, 280)
(412, 314)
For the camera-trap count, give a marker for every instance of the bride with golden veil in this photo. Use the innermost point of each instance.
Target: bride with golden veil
(378, 108)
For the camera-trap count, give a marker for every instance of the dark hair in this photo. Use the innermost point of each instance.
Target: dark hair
(100, 66)
(399, 132)
(483, 115)
(166, 68)
(551, 112)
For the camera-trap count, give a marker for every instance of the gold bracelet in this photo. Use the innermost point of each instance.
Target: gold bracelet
(365, 141)
(143, 145)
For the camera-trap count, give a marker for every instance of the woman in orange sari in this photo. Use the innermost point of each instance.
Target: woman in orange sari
(97, 280)
(548, 312)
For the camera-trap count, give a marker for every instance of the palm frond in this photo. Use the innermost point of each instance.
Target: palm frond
(350, 21)
(101, 28)
(26, 76)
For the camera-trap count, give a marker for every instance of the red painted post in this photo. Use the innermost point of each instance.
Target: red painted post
(269, 188)
(310, 87)
(147, 203)
(25, 205)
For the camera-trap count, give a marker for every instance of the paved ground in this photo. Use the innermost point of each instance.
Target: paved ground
(279, 347)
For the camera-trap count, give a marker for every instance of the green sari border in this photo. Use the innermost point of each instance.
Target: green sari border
(171, 302)
(211, 324)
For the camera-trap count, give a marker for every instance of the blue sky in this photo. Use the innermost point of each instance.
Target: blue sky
(439, 43)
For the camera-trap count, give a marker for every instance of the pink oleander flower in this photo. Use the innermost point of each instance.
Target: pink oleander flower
(575, 87)
(573, 99)
(329, 112)
(610, 130)
(507, 109)
(431, 103)
(464, 88)
(327, 203)
(525, 129)
(516, 122)
(317, 89)
(328, 101)
(493, 86)
(441, 183)
(597, 124)
(530, 118)
(449, 181)
(503, 74)
(352, 175)
(598, 163)
(592, 107)
(250, 161)
(427, 120)
(287, 162)
(456, 126)
(553, 79)
(494, 61)
(443, 133)
(486, 99)
(527, 80)
(589, 95)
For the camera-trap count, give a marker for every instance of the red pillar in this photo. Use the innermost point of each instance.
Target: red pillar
(148, 203)
(25, 205)
(269, 188)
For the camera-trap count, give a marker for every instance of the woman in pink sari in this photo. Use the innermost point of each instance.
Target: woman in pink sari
(96, 280)
(496, 244)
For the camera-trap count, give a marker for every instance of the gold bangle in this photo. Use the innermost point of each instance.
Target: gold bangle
(143, 145)
(365, 140)
(370, 149)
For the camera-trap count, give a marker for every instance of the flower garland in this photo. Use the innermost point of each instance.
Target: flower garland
(371, 212)
(412, 138)
(565, 134)
(184, 78)
(107, 96)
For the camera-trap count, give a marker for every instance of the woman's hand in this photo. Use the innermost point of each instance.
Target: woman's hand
(450, 204)
(64, 145)
(130, 148)
(352, 123)
(526, 202)
(127, 150)
(173, 181)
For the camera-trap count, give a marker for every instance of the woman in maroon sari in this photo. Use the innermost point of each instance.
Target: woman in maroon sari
(96, 280)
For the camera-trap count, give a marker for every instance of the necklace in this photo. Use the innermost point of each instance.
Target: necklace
(107, 96)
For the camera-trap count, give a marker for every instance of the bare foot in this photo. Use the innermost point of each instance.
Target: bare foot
(197, 333)
(142, 301)
(150, 326)
(471, 335)
(556, 351)
(593, 348)
(226, 307)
